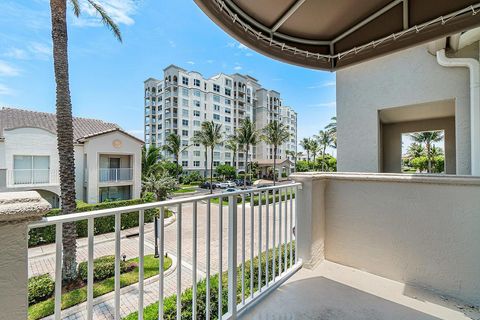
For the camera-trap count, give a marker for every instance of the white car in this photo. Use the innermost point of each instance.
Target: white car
(231, 184)
(222, 185)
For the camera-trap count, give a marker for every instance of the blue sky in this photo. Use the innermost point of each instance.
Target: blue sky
(107, 76)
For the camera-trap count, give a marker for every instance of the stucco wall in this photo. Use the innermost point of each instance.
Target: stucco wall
(103, 144)
(392, 141)
(420, 231)
(408, 77)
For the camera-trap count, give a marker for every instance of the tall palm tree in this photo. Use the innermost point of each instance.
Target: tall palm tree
(325, 140)
(332, 126)
(213, 135)
(415, 150)
(200, 138)
(427, 138)
(294, 155)
(247, 135)
(173, 145)
(58, 9)
(275, 134)
(314, 148)
(305, 144)
(232, 145)
(150, 158)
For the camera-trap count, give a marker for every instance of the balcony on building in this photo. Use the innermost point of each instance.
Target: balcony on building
(115, 168)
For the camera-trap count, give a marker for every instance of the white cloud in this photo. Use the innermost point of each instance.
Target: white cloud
(5, 91)
(40, 50)
(8, 70)
(237, 68)
(210, 61)
(231, 44)
(248, 54)
(328, 83)
(121, 12)
(172, 43)
(191, 62)
(16, 53)
(331, 104)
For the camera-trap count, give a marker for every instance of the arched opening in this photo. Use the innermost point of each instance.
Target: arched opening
(50, 196)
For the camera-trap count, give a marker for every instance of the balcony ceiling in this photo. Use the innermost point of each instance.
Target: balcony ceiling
(327, 35)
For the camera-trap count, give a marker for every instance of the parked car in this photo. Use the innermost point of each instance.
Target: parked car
(231, 184)
(240, 182)
(230, 190)
(206, 185)
(222, 185)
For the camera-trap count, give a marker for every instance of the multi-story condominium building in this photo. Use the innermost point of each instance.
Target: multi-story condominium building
(182, 100)
(107, 159)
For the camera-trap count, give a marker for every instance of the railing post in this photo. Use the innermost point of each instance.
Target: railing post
(17, 209)
(310, 228)
(232, 256)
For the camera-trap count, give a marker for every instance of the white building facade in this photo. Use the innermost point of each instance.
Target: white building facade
(182, 100)
(107, 160)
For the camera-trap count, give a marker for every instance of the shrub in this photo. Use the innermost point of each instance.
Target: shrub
(40, 288)
(191, 177)
(103, 268)
(103, 225)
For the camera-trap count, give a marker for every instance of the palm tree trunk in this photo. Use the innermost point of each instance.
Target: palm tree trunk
(246, 169)
(429, 160)
(64, 134)
(206, 163)
(211, 171)
(233, 162)
(274, 164)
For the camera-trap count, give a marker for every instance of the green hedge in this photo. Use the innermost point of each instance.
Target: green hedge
(40, 288)
(103, 268)
(170, 307)
(102, 225)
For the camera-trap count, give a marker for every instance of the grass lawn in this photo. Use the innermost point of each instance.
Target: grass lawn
(76, 296)
(185, 190)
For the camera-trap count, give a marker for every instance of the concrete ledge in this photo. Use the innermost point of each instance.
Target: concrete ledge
(389, 177)
(22, 206)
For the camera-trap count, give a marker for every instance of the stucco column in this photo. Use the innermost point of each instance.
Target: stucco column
(310, 229)
(17, 209)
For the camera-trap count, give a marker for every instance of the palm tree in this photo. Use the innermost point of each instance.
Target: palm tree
(213, 135)
(427, 138)
(150, 158)
(232, 145)
(305, 144)
(161, 185)
(63, 105)
(325, 140)
(332, 126)
(294, 155)
(415, 150)
(173, 145)
(275, 134)
(200, 138)
(247, 136)
(314, 148)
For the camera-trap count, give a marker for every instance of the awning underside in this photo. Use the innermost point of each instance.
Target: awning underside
(325, 34)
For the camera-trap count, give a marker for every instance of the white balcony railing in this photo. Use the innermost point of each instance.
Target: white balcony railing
(266, 226)
(23, 177)
(115, 175)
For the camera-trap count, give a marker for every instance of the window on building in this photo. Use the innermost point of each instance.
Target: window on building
(196, 153)
(240, 164)
(228, 82)
(196, 163)
(228, 129)
(31, 169)
(196, 123)
(216, 163)
(228, 111)
(185, 122)
(196, 93)
(184, 102)
(185, 92)
(184, 143)
(216, 107)
(185, 81)
(228, 101)
(185, 133)
(196, 113)
(196, 103)
(185, 112)
(185, 154)
(216, 154)
(228, 154)
(228, 92)
(216, 98)
(216, 116)
(184, 163)
(228, 119)
(196, 82)
(216, 88)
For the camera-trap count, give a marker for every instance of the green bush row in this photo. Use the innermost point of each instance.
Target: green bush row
(170, 307)
(102, 225)
(103, 268)
(40, 288)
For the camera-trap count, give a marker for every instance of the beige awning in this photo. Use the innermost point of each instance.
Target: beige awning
(326, 34)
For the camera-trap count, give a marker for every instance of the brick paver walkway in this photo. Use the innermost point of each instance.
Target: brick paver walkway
(42, 259)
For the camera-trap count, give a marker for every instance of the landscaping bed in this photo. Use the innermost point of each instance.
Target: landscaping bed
(256, 199)
(42, 287)
(170, 308)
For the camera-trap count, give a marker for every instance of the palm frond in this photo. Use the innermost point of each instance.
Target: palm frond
(76, 7)
(106, 19)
